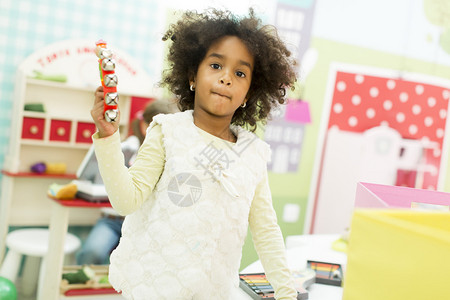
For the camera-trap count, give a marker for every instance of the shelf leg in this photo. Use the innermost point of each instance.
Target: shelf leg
(48, 289)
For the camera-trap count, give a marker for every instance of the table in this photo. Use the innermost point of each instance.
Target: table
(311, 247)
(59, 222)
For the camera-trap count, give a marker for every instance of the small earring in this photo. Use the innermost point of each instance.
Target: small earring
(192, 88)
(244, 104)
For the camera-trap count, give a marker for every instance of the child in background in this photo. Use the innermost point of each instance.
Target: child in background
(200, 179)
(105, 234)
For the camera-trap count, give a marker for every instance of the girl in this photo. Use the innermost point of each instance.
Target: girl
(200, 178)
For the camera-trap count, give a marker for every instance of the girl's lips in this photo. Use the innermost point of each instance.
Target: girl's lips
(222, 95)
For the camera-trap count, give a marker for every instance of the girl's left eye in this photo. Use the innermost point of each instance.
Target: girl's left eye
(216, 66)
(240, 74)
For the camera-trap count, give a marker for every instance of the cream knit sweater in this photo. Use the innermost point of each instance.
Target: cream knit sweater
(189, 198)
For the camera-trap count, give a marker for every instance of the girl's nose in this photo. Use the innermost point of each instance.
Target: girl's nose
(225, 79)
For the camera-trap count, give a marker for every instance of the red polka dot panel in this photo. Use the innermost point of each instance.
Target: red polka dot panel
(416, 110)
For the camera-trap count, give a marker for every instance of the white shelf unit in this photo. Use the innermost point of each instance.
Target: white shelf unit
(61, 134)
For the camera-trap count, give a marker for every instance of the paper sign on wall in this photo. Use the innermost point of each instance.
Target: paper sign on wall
(285, 134)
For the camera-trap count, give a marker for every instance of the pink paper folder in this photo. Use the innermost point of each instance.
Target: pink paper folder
(386, 196)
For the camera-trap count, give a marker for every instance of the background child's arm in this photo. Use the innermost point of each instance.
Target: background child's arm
(128, 188)
(269, 243)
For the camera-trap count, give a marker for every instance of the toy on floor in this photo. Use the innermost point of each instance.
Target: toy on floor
(85, 280)
(109, 81)
(7, 289)
(80, 276)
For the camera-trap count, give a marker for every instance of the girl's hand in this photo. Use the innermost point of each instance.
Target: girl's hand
(104, 128)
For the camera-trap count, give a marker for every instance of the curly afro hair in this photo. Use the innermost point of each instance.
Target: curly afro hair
(191, 38)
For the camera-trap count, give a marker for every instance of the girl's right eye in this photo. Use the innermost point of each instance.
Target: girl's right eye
(215, 66)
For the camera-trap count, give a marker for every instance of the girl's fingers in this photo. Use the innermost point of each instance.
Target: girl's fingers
(99, 90)
(104, 128)
(99, 98)
(97, 108)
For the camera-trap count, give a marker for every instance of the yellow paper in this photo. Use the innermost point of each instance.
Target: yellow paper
(398, 255)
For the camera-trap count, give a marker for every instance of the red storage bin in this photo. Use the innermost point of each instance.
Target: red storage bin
(33, 128)
(60, 130)
(84, 132)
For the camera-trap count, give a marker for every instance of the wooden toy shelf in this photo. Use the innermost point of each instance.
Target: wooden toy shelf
(51, 123)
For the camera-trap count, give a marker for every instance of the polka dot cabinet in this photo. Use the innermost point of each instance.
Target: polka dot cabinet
(416, 110)
(377, 127)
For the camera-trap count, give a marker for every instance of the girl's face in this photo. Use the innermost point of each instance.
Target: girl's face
(223, 78)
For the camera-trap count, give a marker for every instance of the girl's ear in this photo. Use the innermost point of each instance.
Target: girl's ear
(247, 97)
(191, 78)
(192, 81)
